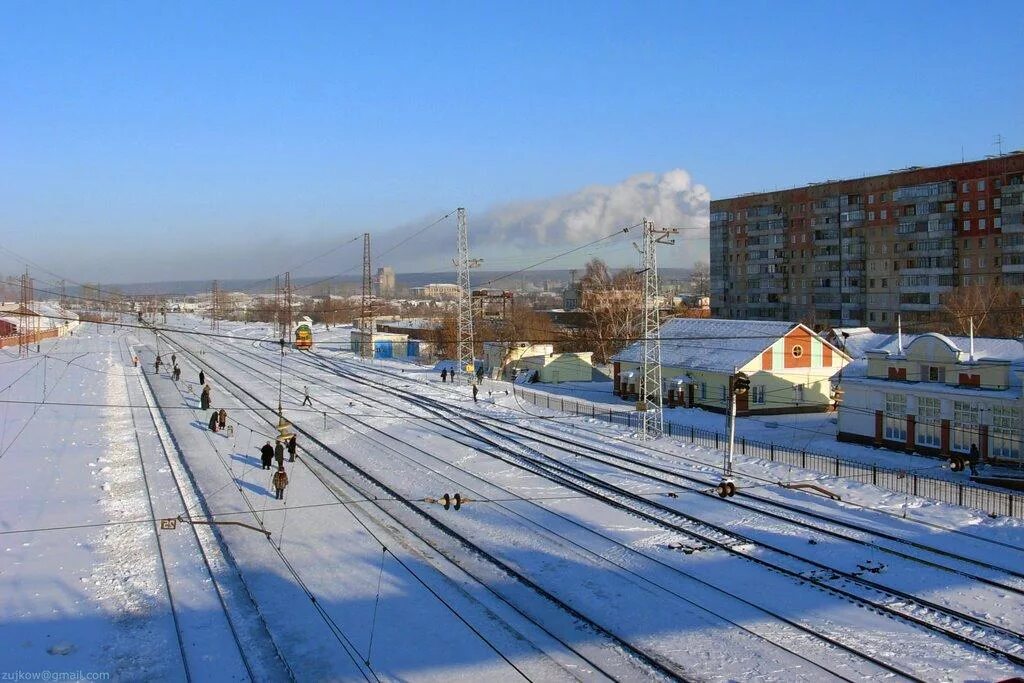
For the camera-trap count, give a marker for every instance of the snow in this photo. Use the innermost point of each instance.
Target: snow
(307, 601)
(711, 344)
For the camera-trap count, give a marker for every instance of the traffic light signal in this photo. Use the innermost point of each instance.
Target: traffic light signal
(740, 383)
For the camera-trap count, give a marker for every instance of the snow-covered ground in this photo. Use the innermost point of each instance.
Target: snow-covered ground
(360, 576)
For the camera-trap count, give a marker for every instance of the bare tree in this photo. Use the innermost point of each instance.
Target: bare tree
(700, 279)
(995, 310)
(613, 305)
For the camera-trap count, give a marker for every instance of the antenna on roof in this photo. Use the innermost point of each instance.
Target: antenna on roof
(899, 332)
(972, 339)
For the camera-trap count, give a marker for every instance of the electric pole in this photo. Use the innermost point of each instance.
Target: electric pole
(26, 298)
(652, 423)
(366, 321)
(287, 333)
(463, 263)
(215, 306)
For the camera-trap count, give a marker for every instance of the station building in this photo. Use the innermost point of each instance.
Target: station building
(791, 368)
(937, 395)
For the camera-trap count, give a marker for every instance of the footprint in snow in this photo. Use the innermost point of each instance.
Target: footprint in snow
(62, 648)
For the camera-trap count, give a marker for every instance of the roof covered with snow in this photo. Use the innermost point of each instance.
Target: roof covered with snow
(710, 344)
(990, 348)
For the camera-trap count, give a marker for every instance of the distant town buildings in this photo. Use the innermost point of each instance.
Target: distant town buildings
(386, 282)
(436, 291)
(858, 252)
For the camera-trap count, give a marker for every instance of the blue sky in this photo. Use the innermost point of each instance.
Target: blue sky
(237, 138)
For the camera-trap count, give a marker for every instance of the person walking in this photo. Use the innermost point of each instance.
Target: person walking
(444, 375)
(267, 455)
(204, 398)
(174, 359)
(157, 364)
(279, 482)
(202, 378)
(279, 454)
(973, 458)
(291, 449)
(213, 422)
(306, 401)
(222, 418)
(475, 390)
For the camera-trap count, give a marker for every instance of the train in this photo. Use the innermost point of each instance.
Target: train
(303, 336)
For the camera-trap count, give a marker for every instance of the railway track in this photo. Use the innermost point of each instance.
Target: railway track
(717, 538)
(196, 544)
(376, 493)
(956, 625)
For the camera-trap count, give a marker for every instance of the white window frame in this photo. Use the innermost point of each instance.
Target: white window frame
(895, 417)
(964, 428)
(1006, 433)
(928, 429)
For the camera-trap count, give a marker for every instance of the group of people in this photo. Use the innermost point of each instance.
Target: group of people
(269, 453)
(476, 388)
(218, 420)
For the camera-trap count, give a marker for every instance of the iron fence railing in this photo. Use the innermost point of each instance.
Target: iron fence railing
(900, 481)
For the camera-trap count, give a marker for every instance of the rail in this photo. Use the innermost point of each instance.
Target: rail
(900, 481)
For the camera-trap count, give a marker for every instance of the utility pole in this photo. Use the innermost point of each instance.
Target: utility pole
(215, 307)
(26, 298)
(287, 334)
(63, 295)
(650, 403)
(277, 303)
(463, 263)
(366, 318)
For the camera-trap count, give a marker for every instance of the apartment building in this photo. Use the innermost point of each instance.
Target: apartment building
(859, 252)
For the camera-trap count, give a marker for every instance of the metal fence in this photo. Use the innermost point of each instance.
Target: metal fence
(900, 481)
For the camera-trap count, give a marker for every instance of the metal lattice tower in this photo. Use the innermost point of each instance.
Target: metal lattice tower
(366, 321)
(652, 423)
(23, 316)
(215, 306)
(277, 303)
(288, 305)
(463, 263)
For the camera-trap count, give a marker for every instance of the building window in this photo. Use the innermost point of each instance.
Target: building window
(798, 393)
(703, 390)
(981, 262)
(965, 426)
(982, 224)
(997, 222)
(871, 215)
(1006, 433)
(933, 373)
(929, 423)
(895, 417)
(967, 225)
(884, 214)
(981, 186)
(997, 202)
(871, 199)
(758, 393)
(725, 393)
(981, 205)
(797, 351)
(966, 206)
(871, 316)
(966, 187)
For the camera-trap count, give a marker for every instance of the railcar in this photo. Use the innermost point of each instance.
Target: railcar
(303, 337)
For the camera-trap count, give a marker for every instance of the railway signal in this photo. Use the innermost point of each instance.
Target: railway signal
(449, 501)
(739, 384)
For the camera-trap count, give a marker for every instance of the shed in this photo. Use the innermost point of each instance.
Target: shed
(560, 367)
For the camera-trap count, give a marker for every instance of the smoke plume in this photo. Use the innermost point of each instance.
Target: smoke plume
(671, 199)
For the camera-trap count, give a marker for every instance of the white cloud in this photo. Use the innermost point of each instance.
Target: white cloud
(671, 199)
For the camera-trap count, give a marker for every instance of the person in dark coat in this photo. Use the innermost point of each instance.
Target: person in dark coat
(279, 454)
(213, 421)
(279, 481)
(204, 398)
(174, 359)
(157, 363)
(202, 378)
(973, 458)
(475, 390)
(444, 375)
(222, 418)
(291, 449)
(267, 455)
